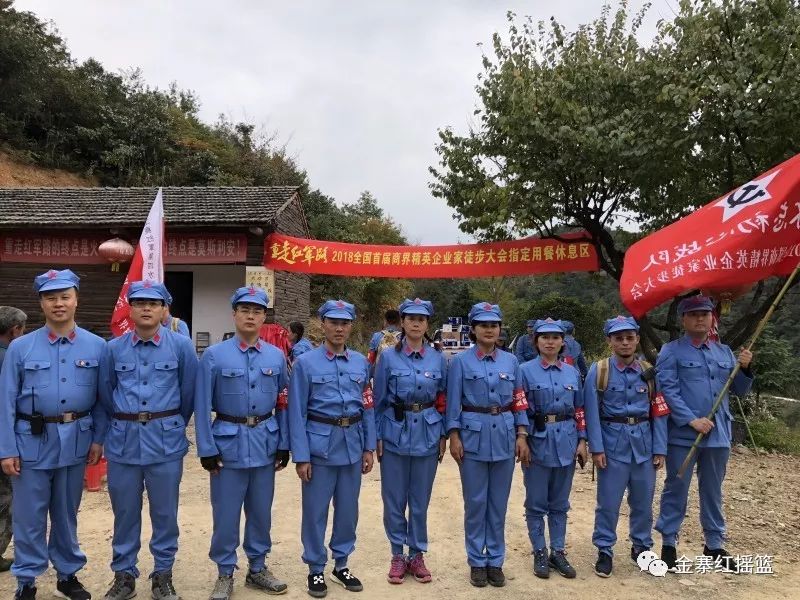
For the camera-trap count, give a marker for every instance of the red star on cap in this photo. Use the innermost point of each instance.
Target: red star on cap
(52, 274)
(339, 304)
(417, 301)
(148, 284)
(487, 306)
(621, 318)
(549, 320)
(252, 291)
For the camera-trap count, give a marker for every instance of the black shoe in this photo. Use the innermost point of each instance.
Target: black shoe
(669, 554)
(541, 568)
(5, 564)
(635, 552)
(558, 561)
(604, 565)
(316, 585)
(478, 576)
(347, 580)
(72, 589)
(495, 576)
(26, 593)
(726, 560)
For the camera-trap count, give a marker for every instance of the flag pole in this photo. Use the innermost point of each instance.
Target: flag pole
(759, 328)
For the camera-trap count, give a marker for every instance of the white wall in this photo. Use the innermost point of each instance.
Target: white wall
(213, 286)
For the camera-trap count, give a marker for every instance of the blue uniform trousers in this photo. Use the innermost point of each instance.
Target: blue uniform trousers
(640, 481)
(126, 483)
(341, 484)
(231, 489)
(38, 492)
(711, 465)
(407, 481)
(547, 493)
(485, 486)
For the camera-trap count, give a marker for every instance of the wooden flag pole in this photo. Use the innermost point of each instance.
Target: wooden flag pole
(759, 329)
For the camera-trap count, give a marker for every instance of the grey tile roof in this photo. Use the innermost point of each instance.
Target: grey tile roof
(64, 207)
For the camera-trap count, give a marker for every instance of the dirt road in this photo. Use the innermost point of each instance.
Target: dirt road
(763, 516)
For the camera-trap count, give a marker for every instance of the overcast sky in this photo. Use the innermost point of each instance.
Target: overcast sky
(356, 88)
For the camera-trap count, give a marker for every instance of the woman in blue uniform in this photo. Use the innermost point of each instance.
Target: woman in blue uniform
(487, 427)
(557, 437)
(408, 380)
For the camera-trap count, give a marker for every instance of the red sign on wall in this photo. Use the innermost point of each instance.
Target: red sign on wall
(182, 248)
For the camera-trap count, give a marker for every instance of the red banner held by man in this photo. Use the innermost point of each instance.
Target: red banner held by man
(521, 257)
(742, 237)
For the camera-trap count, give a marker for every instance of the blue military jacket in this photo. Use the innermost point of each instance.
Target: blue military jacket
(239, 380)
(409, 378)
(691, 377)
(524, 349)
(572, 347)
(334, 386)
(53, 375)
(149, 376)
(301, 347)
(627, 395)
(484, 380)
(555, 390)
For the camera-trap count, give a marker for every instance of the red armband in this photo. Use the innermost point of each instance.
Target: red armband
(441, 402)
(580, 419)
(659, 406)
(366, 397)
(283, 400)
(520, 401)
(569, 360)
(371, 357)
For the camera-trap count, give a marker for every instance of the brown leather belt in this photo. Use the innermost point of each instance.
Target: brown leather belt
(626, 420)
(249, 420)
(67, 417)
(486, 410)
(339, 422)
(146, 417)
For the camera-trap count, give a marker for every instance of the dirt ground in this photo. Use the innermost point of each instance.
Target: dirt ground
(760, 495)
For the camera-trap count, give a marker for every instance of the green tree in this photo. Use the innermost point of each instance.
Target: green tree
(590, 130)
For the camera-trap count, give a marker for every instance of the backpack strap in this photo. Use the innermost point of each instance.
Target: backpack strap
(601, 385)
(651, 384)
(173, 324)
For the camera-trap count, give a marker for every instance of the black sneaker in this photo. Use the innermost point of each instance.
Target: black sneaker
(635, 552)
(347, 580)
(316, 585)
(72, 589)
(478, 576)
(26, 593)
(495, 576)
(558, 561)
(604, 565)
(669, 554)
(541, 568)
(727, 561)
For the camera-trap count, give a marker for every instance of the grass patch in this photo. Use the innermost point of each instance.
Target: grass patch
(774, 434)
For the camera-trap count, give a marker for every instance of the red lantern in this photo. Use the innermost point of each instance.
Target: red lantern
(726, 295)
(116, 251)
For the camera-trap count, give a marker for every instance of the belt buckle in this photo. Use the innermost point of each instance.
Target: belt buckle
(143, 417)
(416, 407)
(251, 420)
(631, 420)
(69, 417)
(344, 422)
(494, 410)
(551, 419)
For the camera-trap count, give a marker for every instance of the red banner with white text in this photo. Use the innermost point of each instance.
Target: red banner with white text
(746, 235)
(529, 256)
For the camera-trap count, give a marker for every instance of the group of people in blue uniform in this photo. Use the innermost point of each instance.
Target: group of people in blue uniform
(68, 397)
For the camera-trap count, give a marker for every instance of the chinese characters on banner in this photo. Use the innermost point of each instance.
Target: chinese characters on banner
(520, 257)
(182, 248)
(746, 235)
(263, 278)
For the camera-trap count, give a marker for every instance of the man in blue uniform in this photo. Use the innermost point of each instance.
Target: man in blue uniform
(627, 426)
(525, 349)
(300, 344)
(51, 425)
(12, 326)
(243, 380)
(148, 395)
(692, 371)
(174, 323)
(572, 348)
(332, 433)
(486, 424)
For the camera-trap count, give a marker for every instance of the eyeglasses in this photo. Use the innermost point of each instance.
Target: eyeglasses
(146, 303)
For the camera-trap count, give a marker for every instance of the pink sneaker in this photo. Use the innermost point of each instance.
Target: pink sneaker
(398, 569)
(418, 569)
